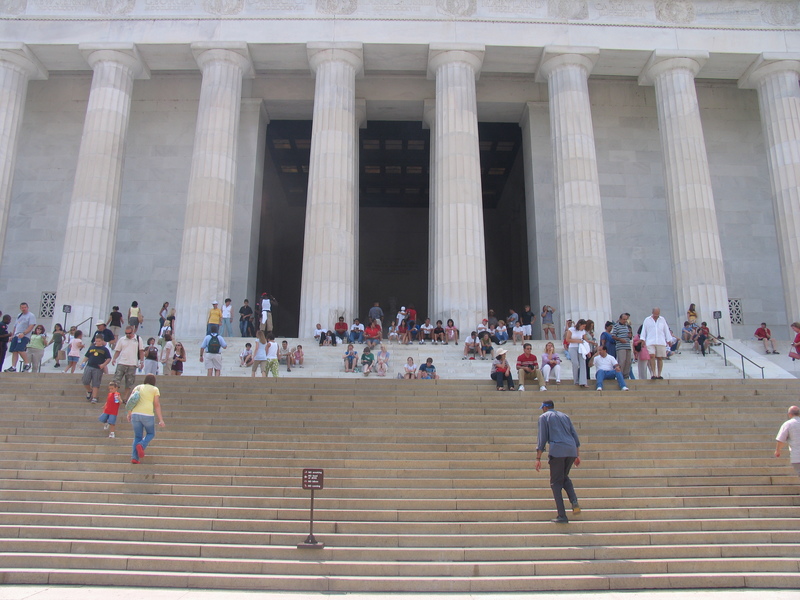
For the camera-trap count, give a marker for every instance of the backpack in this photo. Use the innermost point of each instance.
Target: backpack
(213, 344)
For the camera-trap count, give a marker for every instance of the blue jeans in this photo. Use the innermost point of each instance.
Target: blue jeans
(603, 375)
(227, 330)
(242, 328)
(142, 424)
(356, 338)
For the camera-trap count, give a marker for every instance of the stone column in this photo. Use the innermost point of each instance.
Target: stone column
(775, 77)
(429, 122)
(87, 262)
(17, 66)
(698, 270)
(458, 252)
(205, 266)
(329, 284)
(580, 234)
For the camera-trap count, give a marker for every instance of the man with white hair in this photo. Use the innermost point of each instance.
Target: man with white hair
(789, 435)
(656, 336)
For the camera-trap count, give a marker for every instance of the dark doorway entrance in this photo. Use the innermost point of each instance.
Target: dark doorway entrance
(393, 237)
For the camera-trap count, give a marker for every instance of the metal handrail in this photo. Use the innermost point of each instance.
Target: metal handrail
(744, 358)
(90, 319)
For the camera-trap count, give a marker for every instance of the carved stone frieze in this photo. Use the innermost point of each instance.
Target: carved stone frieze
(337, 7)
(457, 8)
(568, 9)
(223, 7)
(780, 12)
(13, 7)
(114, 7)
(621, 8)
(679, 12)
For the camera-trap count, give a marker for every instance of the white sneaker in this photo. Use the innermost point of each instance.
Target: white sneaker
(598, 389)
(542, 389)
(521, 388)
(106, 426)
(625, 389)
(111, 435)
(558, 381)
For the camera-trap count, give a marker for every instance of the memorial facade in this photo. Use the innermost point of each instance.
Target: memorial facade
(658, 157)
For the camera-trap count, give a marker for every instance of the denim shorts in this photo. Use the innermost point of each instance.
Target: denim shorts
(106, 418)
(19, 344)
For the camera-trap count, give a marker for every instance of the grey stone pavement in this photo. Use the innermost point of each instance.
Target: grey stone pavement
(36, 592)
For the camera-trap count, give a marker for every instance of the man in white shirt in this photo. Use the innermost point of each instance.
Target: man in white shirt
(128, 355)
(472, 345)
(426, 331)
(227, 328)
(789, 434)
(607, 367)
(656, 336)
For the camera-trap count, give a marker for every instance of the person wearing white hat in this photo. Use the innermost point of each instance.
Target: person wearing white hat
(501, 371)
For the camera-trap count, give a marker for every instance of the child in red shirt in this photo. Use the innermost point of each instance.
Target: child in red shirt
(111, 409)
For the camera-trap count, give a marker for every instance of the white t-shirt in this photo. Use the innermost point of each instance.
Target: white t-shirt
(789, 433)
(426, 327)
(272, 350)
(605, 363)
(128, 349)
(318, 332)
(226, 311)
(576, 335)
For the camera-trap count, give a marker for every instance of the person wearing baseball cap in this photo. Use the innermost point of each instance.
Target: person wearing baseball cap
(556, 429)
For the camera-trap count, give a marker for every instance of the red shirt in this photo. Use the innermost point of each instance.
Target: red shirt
(527, 361)
(112, 404)
(412, 314)
(373, 332)
(340, 327)
(763, 333)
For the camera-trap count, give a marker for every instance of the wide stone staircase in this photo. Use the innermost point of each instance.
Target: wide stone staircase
(428, 486)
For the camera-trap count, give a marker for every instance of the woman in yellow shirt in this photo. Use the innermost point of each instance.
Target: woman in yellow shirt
(143, 417)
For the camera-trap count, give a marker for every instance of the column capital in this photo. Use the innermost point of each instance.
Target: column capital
(428, 113)
(768, 63)
(126, 54)
(556, 56)
(361, 113)
(440, 54)
(661, 61)
(20, 55)
(236, 52)
(349, 52)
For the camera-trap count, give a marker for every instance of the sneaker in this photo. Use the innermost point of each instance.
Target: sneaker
(111, 435)
(26, 368)
(559, 520)
(542, 389)
(88, 396)
(106, 426)
(94, 400)
(140, 450)
(558, 381)
(134, 461)
(776, 352)
(598, 389)
(576, 509)
(11, 370)
(522, 388)
(624, 389)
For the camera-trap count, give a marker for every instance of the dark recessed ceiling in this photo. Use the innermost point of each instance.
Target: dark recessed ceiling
(394, 161)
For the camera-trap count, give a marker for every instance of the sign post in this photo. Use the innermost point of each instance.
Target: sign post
(66, 308)
(312, 480)
(718, 316)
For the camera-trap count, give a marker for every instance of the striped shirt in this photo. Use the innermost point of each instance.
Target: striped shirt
(622, 331)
